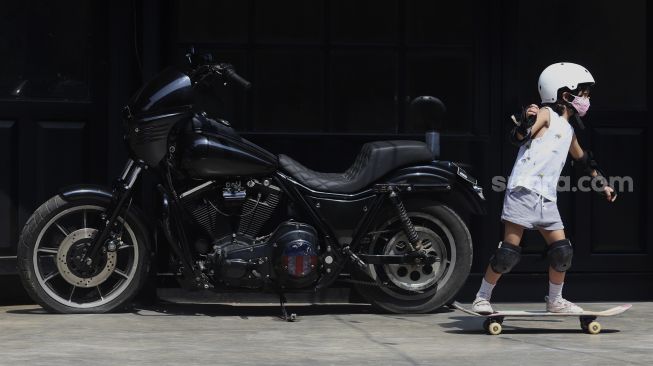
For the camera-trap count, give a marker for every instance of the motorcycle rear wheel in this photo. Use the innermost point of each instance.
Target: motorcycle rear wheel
(418, 288)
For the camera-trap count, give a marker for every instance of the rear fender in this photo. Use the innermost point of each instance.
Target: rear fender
(462, 190)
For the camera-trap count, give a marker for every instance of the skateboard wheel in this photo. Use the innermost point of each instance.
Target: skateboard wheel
(494, 328)
(593, 327)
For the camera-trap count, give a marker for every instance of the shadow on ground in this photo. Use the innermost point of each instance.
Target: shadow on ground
(244, 311)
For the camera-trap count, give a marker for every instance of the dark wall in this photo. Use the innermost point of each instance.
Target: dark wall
(330, 75)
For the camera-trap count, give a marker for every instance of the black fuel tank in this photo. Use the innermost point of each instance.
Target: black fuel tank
(170, 89)
(214, 151)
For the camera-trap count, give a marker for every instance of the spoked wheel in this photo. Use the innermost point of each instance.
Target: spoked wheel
(51, 252)
(403, 288)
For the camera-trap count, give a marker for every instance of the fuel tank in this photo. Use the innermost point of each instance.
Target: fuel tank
(211, 149)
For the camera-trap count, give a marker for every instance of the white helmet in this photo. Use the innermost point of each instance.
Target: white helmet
(560, 75)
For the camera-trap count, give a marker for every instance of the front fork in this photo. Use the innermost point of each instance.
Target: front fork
(122, 192)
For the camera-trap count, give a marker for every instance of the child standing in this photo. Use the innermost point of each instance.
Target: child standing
(530, 200)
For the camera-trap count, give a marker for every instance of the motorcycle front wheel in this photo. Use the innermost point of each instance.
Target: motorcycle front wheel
(405, 288)
(52, 245)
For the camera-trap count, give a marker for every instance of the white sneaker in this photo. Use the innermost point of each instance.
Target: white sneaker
(482, 306)
(561, 305)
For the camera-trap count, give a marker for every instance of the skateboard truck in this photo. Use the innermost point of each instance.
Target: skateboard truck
(589, 325)
(492, 325)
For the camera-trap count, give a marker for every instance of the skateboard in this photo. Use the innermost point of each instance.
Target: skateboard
(588, 323)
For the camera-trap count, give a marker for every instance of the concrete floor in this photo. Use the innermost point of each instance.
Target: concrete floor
(174, 334)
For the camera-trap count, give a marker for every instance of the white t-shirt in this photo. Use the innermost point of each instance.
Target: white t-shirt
(540, 161)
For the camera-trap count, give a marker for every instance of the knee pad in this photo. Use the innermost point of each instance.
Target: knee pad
(505, 258)
(560, 254)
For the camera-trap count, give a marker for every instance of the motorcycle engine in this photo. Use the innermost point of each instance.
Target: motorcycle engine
(215, 206)
(296, 254)
(232, 215)
(288, 258)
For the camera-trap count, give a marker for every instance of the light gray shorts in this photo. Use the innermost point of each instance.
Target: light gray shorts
(530, 210)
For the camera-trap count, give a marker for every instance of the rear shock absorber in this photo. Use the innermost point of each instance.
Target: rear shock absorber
(409, 228)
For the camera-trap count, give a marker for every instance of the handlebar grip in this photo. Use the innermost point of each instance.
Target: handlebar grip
(231, 75)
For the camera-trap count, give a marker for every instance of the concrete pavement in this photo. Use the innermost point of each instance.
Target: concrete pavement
(190, 334)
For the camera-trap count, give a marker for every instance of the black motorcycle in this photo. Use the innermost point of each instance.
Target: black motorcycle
(234, 215)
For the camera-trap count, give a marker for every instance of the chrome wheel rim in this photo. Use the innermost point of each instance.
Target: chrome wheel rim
(52, 262)
(412, 277)
(442, 244)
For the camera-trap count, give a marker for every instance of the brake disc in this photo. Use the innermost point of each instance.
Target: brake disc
(64, 261)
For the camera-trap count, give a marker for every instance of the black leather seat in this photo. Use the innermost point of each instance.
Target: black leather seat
(375, 160)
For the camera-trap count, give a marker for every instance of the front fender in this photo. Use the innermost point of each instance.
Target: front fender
(462, 187)
(78, 192)
(86, 191)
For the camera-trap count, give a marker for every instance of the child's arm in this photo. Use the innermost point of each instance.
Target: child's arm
(541, 121)
(524, 131)
(590, 166)
(577, 152)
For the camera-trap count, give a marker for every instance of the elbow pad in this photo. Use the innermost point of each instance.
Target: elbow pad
(588, 164)
(512, 137)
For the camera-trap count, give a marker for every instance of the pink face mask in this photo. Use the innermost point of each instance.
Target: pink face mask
(581, 104)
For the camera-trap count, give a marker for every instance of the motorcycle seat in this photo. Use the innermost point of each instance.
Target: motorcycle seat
(375, 160)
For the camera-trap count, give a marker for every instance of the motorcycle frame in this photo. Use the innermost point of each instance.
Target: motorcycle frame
(342, 253)
(379, 193)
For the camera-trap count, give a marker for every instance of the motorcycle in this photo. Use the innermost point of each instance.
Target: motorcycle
(234, 215)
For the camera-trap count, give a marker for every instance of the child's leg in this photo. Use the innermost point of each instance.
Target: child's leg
(552, 236)
(559, 262)
(512, 234)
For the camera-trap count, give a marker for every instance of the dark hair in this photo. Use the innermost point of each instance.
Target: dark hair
(560, 104)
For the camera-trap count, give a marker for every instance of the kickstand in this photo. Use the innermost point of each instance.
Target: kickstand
(284, 314)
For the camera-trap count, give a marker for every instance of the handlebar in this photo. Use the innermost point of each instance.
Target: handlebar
(231, 75)
(207, 75)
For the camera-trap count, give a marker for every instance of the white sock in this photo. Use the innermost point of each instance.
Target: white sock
(485, 292)
(555, 291)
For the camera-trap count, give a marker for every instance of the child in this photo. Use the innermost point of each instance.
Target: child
(530, 200)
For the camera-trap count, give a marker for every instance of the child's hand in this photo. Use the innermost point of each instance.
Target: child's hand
(525, 116)
(609, 194)
(532, 110)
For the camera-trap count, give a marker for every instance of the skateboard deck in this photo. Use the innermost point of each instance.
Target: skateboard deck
(588, 322)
